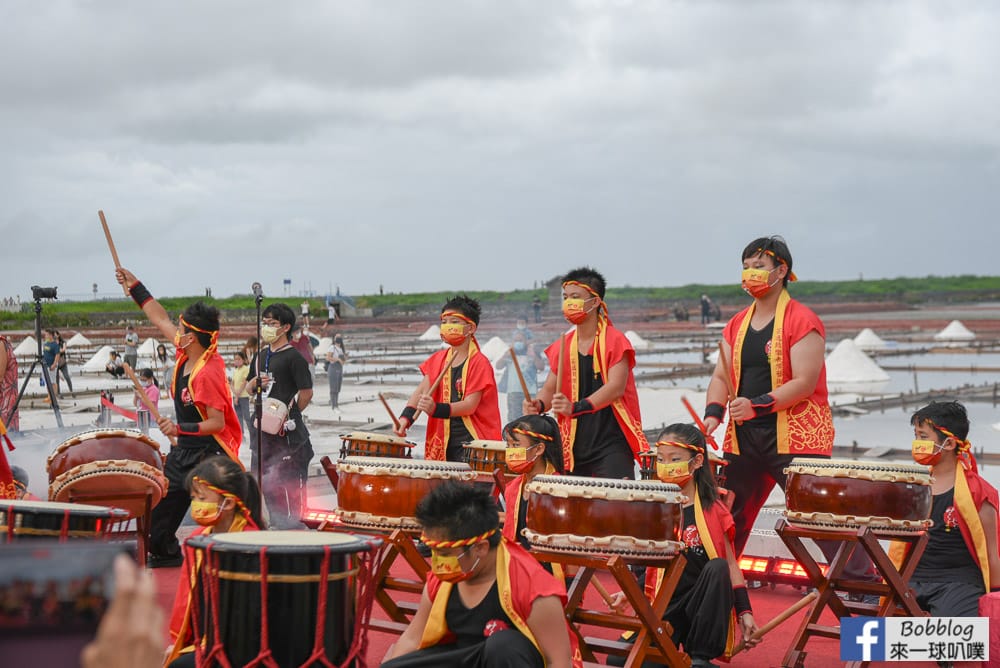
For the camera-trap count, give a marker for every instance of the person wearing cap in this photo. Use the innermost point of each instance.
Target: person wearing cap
(487, 601)
(205, 421)
(597, 404)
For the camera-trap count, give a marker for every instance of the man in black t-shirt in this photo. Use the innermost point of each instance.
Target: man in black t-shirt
(283, 374)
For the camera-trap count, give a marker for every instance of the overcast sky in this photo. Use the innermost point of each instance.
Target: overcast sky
(485, 145)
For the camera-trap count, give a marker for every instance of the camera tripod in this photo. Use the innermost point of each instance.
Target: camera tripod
(45, 371)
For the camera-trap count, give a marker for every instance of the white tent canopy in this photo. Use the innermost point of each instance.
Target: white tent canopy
(27, 347)
(955, 331)
(78, 339)
(867, 340)
(433, 333)
(99, 360)
(637, 341)
(848, 364)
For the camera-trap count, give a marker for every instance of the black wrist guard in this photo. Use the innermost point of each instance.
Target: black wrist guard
(442, 411)
(140, 295)
(189, 428)
(408, 413)
(541, 406)
(762, 405)
(582, 407)
(715, 410)
(741, 601)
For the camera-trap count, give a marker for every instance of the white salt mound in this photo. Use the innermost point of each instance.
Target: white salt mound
(869, 340)
(494, 348)
(320, 351)
(77, 339)
(99, 360)
(637, 341)
(27, 347)
(848, 364)
(433, 333)
(148, 348)
(955, 331)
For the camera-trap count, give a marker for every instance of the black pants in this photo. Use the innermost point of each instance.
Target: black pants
(617, 463)
(752, 474)
(699, 615)
(169, 512)
(948, 599)
(505, 649)
(286, 468)
(64, 370)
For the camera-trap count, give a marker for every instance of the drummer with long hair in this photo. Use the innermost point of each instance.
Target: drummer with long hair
(710, 609)
(224, 499)
(533, 448)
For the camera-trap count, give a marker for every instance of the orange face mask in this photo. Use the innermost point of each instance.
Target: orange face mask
(447, 568)
(756, 282)
(677, 473)
(517, 460)
(926, 452)
(453, 333)
(575, 310)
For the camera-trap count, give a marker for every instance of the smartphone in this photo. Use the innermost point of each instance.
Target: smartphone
(52, 597)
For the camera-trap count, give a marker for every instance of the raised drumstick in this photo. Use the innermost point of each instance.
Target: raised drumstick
(771, 625)
(724, 361)
(520, 376)
(559, 366)
(698, 422)
(434, 385)
(141, 391)
(395, 422)
(111, 243)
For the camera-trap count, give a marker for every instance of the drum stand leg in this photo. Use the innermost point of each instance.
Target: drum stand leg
(141, 521)
(397, 544)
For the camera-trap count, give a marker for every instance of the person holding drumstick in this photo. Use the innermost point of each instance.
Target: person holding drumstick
(533, 448)
(710, 609)
(597, 404)
(224, 499)
(487, 602)
(462, 405)
(961, 561)
(206, 423)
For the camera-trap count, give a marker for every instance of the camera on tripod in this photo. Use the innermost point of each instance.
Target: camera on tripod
(43, 293)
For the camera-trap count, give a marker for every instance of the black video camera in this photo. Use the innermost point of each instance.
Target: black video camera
(43, 293)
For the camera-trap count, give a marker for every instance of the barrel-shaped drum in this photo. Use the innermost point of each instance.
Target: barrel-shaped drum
(486, 456)
(310, 580)
(604, 516)
(382, 494)
(846, 494)
(369, 444)
(108, 462)
(46, 519)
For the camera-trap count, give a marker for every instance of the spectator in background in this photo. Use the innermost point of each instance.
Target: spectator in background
(706, 310)
(165, 363)
(536, 306)
(331, 316)
(114, 365)
(530, 361)
(302, 342)
(131, 346)
(241, 398)
(305, 312)
(335, 358)
(62, 364)
(50, 351)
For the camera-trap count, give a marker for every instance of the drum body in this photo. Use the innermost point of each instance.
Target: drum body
(367, 444)
(604, 516)
(108, 462)
(382, 494)
(846, 494)
(46, 519)
(487, 456)
(310, 579)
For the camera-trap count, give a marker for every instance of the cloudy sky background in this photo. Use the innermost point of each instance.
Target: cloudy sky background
(486, 145)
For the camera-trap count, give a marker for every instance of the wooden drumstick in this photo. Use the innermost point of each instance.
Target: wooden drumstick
(392, 416)
(111, 243)
(144, 398)
(724, 361)
(520, 376)
(773, 624)
(434, 385)
(559, 366)
(698, 422)
(602, 591)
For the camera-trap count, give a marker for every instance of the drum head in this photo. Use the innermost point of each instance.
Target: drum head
(371, 437)
(480, 444)
(282, 542)
(55, 507)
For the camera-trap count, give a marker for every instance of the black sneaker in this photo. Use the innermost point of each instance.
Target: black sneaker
(168, 561)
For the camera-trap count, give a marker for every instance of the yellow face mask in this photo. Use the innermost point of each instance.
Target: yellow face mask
(674, 472)
(205, 513)
(518, 461)
(448, 569)
(926, 452)
(574, 310)
(756, 282)
(453, 333)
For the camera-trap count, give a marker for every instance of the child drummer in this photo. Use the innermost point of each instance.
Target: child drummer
(533, 448)
(464, 406)
(710, 607)
(960, 562)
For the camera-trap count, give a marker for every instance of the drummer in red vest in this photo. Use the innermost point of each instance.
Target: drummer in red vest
(533, 448)
(206, 422)
(464, 406)
(487, 602)
(961, 561)
(224, 499)
(597, 405)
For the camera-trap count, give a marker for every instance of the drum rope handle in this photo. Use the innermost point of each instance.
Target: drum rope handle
(319, 645)
(64, 529)
(368, 563)
(264, 657)
(217, 652)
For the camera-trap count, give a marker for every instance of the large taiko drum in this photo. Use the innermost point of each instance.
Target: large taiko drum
(604, 516)
(369, 444)
(108, 462)
(305, 589)
(487, 456)
(47, 519)
(845, 494)
(382, 494)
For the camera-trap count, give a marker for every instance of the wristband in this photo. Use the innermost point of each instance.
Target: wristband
(408, 414)
(442, 411)
(741, 600)
(582, 407)
(762, 405)
(189, 428)
(139, 294)
(715, 410)
(541, 406)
